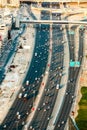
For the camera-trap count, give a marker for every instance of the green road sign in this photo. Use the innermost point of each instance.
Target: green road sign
(77, 63)
(74, 64)
(71, 32)
(82, 27)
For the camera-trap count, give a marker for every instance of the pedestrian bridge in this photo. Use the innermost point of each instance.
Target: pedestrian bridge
(53, 22)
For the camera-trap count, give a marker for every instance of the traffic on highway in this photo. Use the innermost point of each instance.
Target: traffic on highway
(49, 40)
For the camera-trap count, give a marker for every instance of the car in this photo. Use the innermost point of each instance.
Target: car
(71, 101)
(25, 95)
(31, 127)
(27, 82)
(4, 126)
(62, 122)
(58, 125)
(57, 87)
(44, 109)
(48, 107)
(48, 118)
(52, 94)
(17, 113)
(44, 104)
(23, 122)
(19, 116)
(66, 93)
(39, 109)
(20, 95)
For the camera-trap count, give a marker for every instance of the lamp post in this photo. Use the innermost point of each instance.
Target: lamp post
(78, 2)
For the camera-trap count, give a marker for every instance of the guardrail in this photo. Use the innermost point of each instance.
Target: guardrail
(74, 123)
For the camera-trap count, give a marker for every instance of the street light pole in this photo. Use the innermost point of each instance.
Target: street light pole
(78, 2)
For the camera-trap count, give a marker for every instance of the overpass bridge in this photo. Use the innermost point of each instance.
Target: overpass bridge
(53, 22)
(53, 0)
(19, 21)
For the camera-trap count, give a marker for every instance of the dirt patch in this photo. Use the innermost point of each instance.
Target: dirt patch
(83, 79)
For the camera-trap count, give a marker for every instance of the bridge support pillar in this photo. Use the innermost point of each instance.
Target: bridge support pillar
(17, 22)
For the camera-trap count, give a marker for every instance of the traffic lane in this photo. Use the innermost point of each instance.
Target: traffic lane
(81, 44)
(41, 108)
(52, 65)
(66, 102)
(41, 58)
(46, 100)
(50, 94)
(72, 56)
(69, 100)
(76, 71)
(19, 109)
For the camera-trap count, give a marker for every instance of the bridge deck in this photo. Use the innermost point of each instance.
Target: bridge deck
(54, 22)
(53, 0)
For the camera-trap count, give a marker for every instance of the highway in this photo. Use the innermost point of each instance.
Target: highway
(21, 108)
(34, 76)
(71, 86)
(45, 108)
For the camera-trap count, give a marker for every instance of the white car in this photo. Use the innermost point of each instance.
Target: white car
(20, 95)
(27, 82)
(25, 95)
(57, 87)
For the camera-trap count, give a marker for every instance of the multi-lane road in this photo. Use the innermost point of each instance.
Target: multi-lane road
(21, 107)
(44, 111)
(71, 85)
(34, 77)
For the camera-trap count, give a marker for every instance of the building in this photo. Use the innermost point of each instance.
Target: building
(3, 2)
(14, 3)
